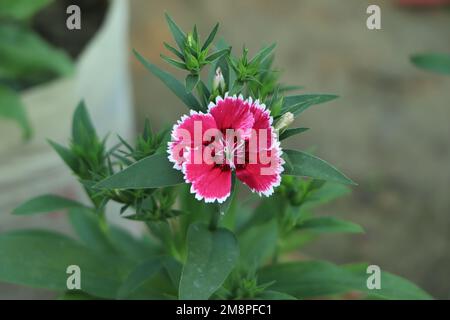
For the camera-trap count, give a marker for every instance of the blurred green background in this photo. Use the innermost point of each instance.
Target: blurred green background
(389, 130)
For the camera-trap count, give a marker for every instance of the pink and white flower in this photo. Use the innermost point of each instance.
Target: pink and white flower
(234, 135)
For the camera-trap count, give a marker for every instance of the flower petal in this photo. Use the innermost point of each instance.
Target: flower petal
(209, 181)
(232, 113)
(183, 135)
(263, 176)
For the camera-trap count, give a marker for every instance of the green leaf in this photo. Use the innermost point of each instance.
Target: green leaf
(258, 243)
(325, 194)
(435, 62)
(265, 211)
(82, 128)
(142, 273)
(40, 259)
(21, 9)
(178, 34)
(191, 81)
(172, 83)
(211, 37)
(87, 226)
(25, 56)
(12, 108)
(263, 54)
(151, 172)
(318, 279)
(217, 55)
(299, 103)
(328, 225)
(174, 51)
(392, 286)
(290, 132)
(46, 203)
(173, 269)
(306, 165)
(175, 63)
(66, 155)
(129, 246)
(212, 255)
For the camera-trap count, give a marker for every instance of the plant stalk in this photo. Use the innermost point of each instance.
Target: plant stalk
(215, 218)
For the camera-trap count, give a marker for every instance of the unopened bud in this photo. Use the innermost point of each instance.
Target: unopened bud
(190, 40)
(284, 122)
(218, 81)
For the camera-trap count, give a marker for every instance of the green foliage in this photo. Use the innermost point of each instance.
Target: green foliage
(291, 132)
(25, 58)
(48, 255)
(305, 165)
(152, 172)
(21, 9)
(434, 62)
(327, 225)
(299, 103)
(314, 279)
(172, 83)
(12, 108)
(137, 277)
(212, 254)
(192, 249)
(44, 204)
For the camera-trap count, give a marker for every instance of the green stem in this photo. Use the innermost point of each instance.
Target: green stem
(103, 223)
(215, 218)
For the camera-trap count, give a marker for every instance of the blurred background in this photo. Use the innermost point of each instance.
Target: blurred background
(389, 130)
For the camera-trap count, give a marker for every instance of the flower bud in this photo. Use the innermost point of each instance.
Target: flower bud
(219, 81)
(284, 122)
(190, 40)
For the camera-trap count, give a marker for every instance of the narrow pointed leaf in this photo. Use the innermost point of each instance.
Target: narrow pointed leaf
(299, 103)
(217, 55)
(435, 62)
(82, 127)
(12, 108)
(311, 279)
(306, 165)
(151, 172)
(195, 33)
(291, 132)
(172, 83)
(66, 155)
(46, 203)
(174, 51)
(178, 34)
(175, 63)
(328, 225)
(211, 37)
(263, 54)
